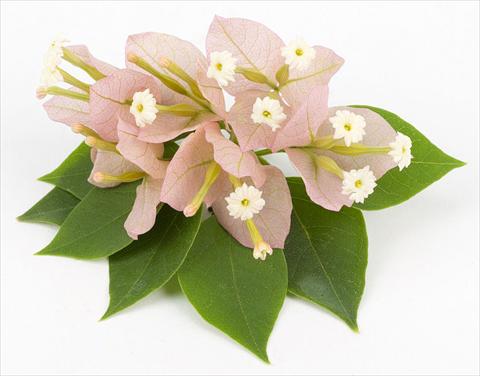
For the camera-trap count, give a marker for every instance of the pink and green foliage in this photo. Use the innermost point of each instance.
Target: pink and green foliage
(164, 144)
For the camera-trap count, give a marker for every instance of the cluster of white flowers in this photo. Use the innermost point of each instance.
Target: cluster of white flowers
(298, 55)
(359, 184)
(144, 108)
(50, 73)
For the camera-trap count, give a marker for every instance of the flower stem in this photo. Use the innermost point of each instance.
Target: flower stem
(75, 60)
(55, 90)
(69, 79)
(168, 81)
(359, 149)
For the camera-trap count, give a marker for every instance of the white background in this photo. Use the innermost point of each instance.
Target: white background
(420, 311)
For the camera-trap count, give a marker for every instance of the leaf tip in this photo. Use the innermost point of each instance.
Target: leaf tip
(263, 356)
(22, 217)
(355, 328)
(106, 315)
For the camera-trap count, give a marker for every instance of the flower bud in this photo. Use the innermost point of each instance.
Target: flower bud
(132, 58)
(182, 109)
(100, 144)
(260, 247)
(83, 130)
(253, 75)
(101, 177)
(41, 92)
(211, 176)
(282, 75)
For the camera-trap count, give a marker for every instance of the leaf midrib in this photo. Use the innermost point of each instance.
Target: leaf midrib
(147, 265)
(237, 295)
(317, 257)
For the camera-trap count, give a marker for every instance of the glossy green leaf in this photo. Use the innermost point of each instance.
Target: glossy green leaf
(53, 208)
(95, 227)
(428, 165)
(326, 254)
(231, 290)
(147, 264)
(72, 174)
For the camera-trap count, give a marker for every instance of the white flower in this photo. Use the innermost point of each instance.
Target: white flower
(143, 108)
(298, 54)
(358, 184)
(222, 67)
(50, 77)
(401, 150)
(50, 73)
(349, 126)
(244, 202)
(261, 249)
(54, 53)
(268, 111)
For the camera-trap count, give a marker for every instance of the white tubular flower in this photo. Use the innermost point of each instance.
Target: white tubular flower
(261, 249)
(54, 53)
(348, 126)
(222, 67)
(298, 54)
(50, 73)
(358, 184)
(268, 111)
(143, 108)
(401, 150)
(244, 202)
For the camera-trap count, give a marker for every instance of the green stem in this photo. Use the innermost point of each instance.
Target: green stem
(359, 149)
(55, 90)
(69, 79)
(75, 60)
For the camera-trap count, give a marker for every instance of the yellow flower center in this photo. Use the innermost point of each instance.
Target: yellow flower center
(404, 149)
(358, 183)
(299, 52)
(139, 107)
(267, 114)
(245, 202)
(348, 127)
(219, 66)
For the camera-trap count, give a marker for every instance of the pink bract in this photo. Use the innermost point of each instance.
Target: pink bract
(144, 155)
(186, 172)
(302, 127)
(324, 188)
(251, 43)
(229, 156)
(273, 221)
(109, 100)
(142, 217)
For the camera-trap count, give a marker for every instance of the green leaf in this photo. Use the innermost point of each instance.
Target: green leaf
(95, 227)
(53, 208)
(147, 264)
(231, 290)
(326, 254)
(428, 165)
(170, 148)
(72, 174)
